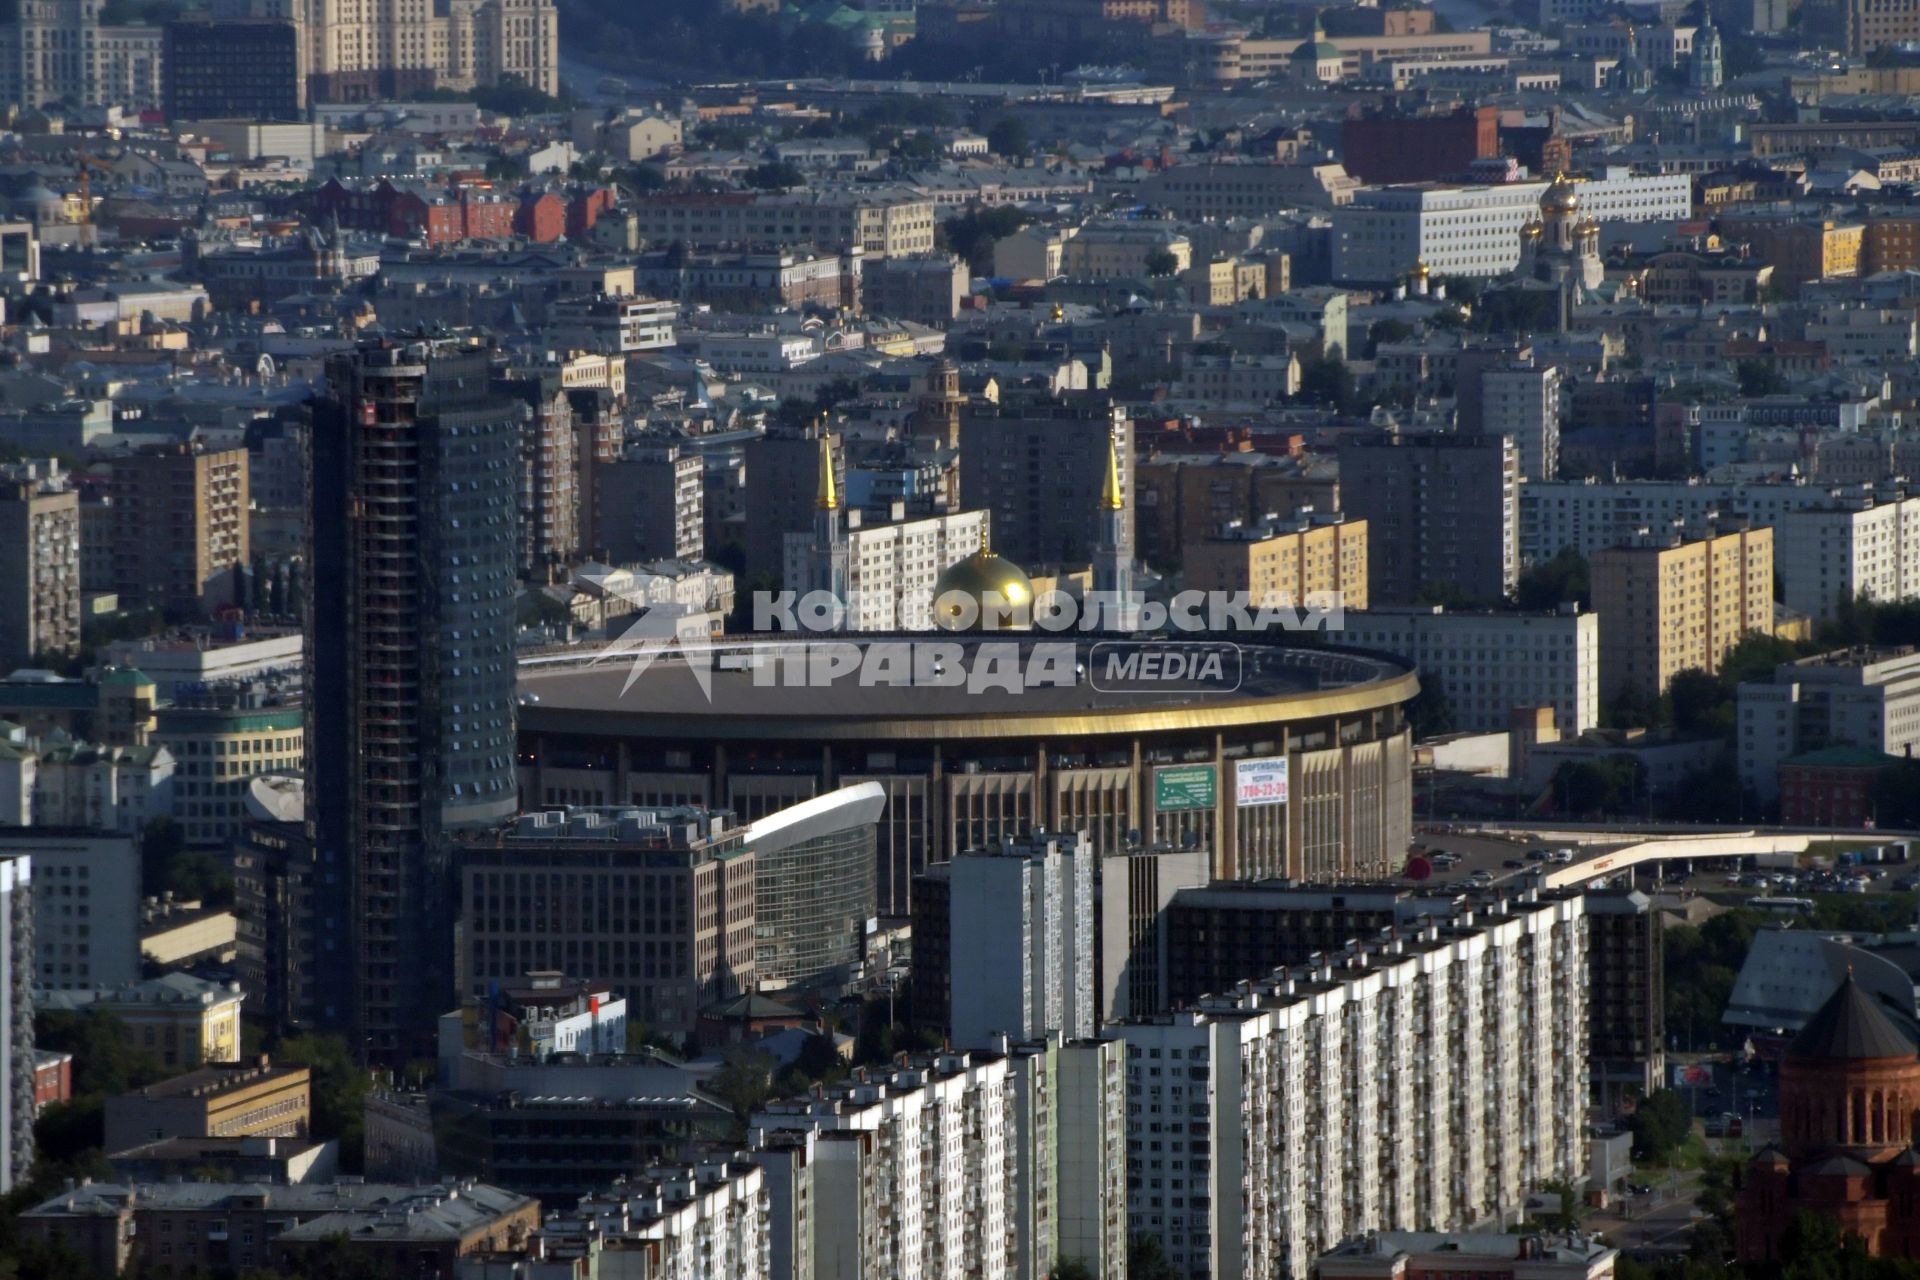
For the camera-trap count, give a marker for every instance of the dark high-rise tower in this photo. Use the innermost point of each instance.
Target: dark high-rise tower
(410, 671)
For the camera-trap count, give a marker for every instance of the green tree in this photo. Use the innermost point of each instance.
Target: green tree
(973, 234)
(1072, 1269)
(1604, 786)
(1661, 1122)
(1008, 138)
(1388, 330)
(106, 1059)
(340, 1087)
(1161, 262)
(743, 1082)
(1701, 704)
(1147, 1260)
(1327, 381)
(1758, 378)
(775, 176)
(1548, 585)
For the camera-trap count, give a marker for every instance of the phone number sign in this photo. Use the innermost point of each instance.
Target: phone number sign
(1259, 782)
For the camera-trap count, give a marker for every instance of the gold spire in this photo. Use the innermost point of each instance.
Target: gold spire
(1112, 499)
(828, 496)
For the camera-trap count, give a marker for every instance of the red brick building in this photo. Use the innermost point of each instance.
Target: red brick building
(438, 215)
(52, 1078)
(1833, 787)
(542, 217)
(1849, 1090)
(585, 210)
(1395, 148)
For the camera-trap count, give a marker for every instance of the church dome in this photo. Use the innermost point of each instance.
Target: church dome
(984, 592)
(1560, 198)
(1850, 1026)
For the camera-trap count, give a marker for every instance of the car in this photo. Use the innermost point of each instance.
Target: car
(1538, 855)
(1639, 1188)
(1481, 876)
(1561, 857)
(1514, 864)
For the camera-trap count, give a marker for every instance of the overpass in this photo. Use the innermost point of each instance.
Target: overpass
(1738, 844)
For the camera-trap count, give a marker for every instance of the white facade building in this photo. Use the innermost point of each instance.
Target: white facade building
(892, 567)
(1426, 1084)
(86, 910)
(1866, 698)
(100, 788)
(1857, 544)
(1024, 914)
(1486, 664)
(1522, 400)
(701, 1222)
(1589, 516)
(932, 1171)
(1475, 230)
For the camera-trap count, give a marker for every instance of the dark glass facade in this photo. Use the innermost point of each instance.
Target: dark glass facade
(411, 671)
(246, 69)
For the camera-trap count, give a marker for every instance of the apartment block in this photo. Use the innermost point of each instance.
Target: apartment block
(86, 932)
(180, 531)
(1270, 1123)
(1859, 544)
(929, 1171)
(1588, 516)
(17, 1083)
(705, 1219)
(1029, 905)
(548, 501)
(1311, 560)
(1668, 602)
(659, 903)
(1441, 512)
(1186, 497)
(1034, 463)
(1627, 1024)
(924, 289)
(648, 505)
(1860, 697)
(1521, 399)
(1485, 664)
(39, 565)
(892, 565)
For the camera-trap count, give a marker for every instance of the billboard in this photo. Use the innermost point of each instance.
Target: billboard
(1260, 782)
(1185, 787)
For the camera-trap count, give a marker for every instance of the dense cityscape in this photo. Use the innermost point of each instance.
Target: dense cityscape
(959, 640)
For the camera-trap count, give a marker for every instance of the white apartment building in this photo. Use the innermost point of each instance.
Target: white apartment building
(1522, 400)
(699, 1222)
(100, 788)
(1427, 1083)
(1589, 516)
(1852, 697)
(750, 353)
(1475, 230)
(1025, 910)
(931, 1171)
(1856, 544)
(86, 907)
(892, 567)
(1486, 664)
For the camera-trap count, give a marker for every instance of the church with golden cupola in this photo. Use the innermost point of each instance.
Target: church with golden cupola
(1560, 248)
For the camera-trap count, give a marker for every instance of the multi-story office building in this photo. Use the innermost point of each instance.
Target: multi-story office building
(936, 1168)
(219, 745)
(649, 505)
(783, 472)
(1858, 544)
(1441, 510)
(1669, 601)
(39, 565)
(549, 523)
(87, 911)
(1521, 399)
(1029, 905)
(1860, 697)
(233, 69)
(1183, 498)
(415, 476)
(180, 532)
(1483, 665)
(1287, 1108)
(892, 565)
(1035, 465)
(882, 222)
(17, 964)
(1309, 560)
(1133, 889)
(660, 903)
(90, 787)
(1627, 1024)
(1386, 232)
(273, 905)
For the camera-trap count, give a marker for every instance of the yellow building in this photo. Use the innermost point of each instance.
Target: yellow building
(1803, 250)
(1668, 603)
(182, 1020)
(253, 1099)
(1307, 561)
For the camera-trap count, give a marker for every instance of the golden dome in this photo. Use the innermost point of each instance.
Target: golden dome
(1533, 230)
(1561, 197)
(984, 592)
